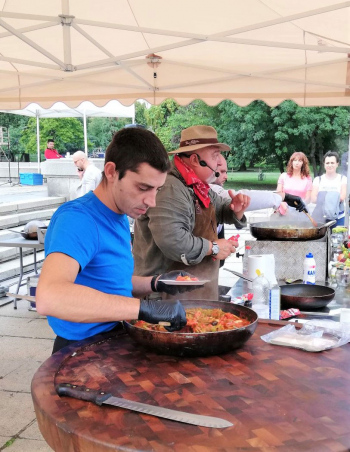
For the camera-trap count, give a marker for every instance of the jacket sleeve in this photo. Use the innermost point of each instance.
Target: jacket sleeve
(171, 223)
(223, 212)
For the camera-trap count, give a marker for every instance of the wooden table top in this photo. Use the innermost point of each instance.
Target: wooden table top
(278, 398)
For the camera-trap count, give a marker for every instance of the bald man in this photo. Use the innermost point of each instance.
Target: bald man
(89, 174)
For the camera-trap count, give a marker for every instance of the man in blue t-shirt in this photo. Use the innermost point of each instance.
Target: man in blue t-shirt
(87, 284)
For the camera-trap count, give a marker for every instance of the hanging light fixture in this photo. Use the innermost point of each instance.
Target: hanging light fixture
(153, 61)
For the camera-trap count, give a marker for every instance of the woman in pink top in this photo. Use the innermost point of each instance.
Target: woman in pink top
(296, 180)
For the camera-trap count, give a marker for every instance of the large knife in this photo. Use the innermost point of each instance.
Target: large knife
(83, 393)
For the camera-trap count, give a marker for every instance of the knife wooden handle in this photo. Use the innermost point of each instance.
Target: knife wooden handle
(81, 393)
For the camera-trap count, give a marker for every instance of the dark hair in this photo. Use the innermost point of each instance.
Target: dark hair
(132, 146)
(305, 171)
(331, 154)
(50, 141)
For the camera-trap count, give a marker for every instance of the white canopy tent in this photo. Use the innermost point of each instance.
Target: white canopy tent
(84, 110)
(72, 51)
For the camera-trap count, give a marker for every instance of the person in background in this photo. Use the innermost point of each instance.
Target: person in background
(296, 180)
(87, 283)
(89, 174)
(50, 151)
(329, 192)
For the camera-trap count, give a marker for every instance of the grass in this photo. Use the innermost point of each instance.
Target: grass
(249, 180)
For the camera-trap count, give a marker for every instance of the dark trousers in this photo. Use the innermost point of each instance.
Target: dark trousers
(61, 342)
(221, 235)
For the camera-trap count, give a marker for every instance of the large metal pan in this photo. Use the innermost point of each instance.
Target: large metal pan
(197, 344)
(306, 297)
(302, 296)
(276, 230)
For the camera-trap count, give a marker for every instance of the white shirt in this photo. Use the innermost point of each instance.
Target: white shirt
(259, 199)
(91, 178)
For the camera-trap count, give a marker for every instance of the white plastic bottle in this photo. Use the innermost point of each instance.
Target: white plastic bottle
(245, 260)
(275, 302)
(309, 269)
(260, 302)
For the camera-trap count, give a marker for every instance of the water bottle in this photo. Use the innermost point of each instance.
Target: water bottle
(260, 302)
(275, 302)
(309, 269)
(245, 260)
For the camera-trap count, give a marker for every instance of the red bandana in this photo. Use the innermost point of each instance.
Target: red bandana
(200, 188)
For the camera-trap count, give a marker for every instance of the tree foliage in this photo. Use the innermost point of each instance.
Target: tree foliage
(67, 133)
(257, 134)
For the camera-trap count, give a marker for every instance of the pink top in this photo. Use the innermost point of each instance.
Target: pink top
(294, 186)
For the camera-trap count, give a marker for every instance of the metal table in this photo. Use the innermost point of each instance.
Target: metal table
(20, 243)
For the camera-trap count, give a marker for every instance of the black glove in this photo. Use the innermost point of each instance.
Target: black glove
(296, 202)
(160, 286)
(154, 311)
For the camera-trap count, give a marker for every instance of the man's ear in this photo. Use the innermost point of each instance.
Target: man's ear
(110, 171)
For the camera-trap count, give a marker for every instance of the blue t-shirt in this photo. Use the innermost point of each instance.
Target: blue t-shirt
(99, 240)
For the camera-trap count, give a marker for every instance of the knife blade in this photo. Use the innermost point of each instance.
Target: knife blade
(100, 398)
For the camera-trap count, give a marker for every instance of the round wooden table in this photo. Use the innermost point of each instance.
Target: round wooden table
(278, 398)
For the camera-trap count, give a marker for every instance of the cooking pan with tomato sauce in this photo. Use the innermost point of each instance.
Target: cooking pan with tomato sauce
(197, 344)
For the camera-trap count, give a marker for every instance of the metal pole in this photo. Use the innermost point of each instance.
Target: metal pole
(85, 135)
(38, 140)
(347, 187)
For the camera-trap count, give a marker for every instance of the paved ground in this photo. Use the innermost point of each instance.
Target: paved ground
(26, 342)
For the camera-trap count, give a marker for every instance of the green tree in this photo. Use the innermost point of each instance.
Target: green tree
(67, 132)
(15, 125)
(312, 130)
(249, 131)
(101, 130)
(140, 113)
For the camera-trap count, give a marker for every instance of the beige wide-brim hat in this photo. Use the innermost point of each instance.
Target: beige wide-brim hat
(199, 137)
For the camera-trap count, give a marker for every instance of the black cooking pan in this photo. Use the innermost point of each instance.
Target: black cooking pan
(305, 296)
(277, 230)
(26, 235)
(302, 296)
(197, 344)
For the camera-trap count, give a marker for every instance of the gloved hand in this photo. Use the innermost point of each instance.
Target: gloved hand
(168, 288)
(296, 202)
(154, 311)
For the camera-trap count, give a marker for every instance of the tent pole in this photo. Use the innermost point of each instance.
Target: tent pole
(38, 140)
(85, 135)
(347, 172)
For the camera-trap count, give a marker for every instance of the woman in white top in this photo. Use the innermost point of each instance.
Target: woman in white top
(329, 192)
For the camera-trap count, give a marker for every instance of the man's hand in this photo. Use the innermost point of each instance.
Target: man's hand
(239, 203)
(296, 202)
(160, 286)
(226, 248)
(172, 311)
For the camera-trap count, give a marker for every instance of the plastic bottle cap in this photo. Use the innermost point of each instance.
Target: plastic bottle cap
(249, 247)
(309, 255)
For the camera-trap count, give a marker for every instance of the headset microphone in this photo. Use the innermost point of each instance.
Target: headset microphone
(203, 163)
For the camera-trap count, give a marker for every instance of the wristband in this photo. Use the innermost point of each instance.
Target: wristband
(153, 283)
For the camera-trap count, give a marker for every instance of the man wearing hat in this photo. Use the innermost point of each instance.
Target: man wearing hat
(181, 230)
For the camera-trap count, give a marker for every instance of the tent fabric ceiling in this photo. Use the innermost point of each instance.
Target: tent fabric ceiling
(88, 50)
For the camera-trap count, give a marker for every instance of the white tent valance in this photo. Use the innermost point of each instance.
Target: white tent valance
(125, 50)
(86, 109)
